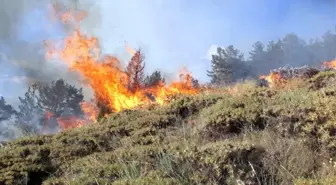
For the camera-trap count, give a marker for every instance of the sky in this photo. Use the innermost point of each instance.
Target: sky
(177, 33)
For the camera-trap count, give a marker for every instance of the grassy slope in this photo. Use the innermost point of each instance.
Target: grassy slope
(258, 135)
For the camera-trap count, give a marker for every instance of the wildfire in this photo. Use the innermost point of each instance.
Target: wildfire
(91, 110)
(272, 78)
(329, 65)
(47, 116)
(66, 122)
(69, 122)
(105, 75)
(129, 49)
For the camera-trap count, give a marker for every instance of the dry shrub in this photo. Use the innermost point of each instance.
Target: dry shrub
(294, 84)
(286, 159)
(325, 175)
(323, 79)
(242, 87)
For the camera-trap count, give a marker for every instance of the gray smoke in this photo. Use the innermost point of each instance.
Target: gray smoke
(24, 25)
(10, 14)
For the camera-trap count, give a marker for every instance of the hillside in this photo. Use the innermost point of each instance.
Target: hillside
(241, 135)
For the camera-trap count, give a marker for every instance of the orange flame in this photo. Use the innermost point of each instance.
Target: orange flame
(129, 49)
(272, 78)
(183, 86)
(65, 122)
(69, 122)
(329, 65)
(59, 12)
(91, 110)
(105, 76)
(48, 116)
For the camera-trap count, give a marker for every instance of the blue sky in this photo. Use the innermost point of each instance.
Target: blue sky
(177, 32)
(174, 33)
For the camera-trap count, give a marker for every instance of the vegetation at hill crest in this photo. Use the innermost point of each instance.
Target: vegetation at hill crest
(242, 134)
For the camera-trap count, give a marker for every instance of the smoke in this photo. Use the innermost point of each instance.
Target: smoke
(24, 26)
(9, 131)
(176, 33)
(171, 33)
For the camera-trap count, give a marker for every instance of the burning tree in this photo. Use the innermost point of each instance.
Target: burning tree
(58, 99)
(135, 71)
(115, 89)
(61, 98)
(62, 101)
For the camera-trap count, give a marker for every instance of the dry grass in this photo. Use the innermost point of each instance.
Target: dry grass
(254, 135)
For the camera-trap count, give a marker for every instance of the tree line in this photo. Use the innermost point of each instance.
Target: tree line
(228, 65)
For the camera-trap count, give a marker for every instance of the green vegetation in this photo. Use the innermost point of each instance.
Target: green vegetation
(255, 135)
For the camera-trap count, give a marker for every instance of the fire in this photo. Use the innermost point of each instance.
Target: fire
(272, 78)
(329, 65)
(129, 49)
(69, 122)
(91, 110)
(65, 16)
(183, 86)
(48, 115)
(66, 122)
(104, 74)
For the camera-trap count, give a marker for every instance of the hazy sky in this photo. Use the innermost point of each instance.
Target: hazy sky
(176, 32)
(172, 33)
(181, 32)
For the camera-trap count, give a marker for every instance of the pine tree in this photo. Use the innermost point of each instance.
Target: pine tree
(154, 79)
(329, 45)
(258, 58)
(274, 55)
(227, 66)
(295, 51)
(30, 114)
(6, 110)
(258, 52)
(219, 68)
(60, 98)
(135, 71)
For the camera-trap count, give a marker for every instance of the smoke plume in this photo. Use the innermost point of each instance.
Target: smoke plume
(24, 26)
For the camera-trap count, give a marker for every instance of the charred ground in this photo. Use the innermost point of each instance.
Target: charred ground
(245, 133)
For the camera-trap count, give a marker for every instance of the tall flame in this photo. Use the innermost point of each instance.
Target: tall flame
(272, 78)
(105, 75)
(91, 110)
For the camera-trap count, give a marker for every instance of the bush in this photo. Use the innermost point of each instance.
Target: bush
(242, 134)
